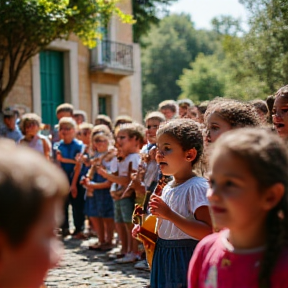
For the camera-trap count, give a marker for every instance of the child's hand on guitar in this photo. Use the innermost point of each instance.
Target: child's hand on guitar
(159, 208)
(135, 230)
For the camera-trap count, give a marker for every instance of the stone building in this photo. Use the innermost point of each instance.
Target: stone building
(104, 80)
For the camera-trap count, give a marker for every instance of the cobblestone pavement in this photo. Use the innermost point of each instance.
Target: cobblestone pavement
(81, 268)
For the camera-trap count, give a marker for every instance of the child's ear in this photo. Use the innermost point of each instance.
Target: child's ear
(191, 154)
(273, 195)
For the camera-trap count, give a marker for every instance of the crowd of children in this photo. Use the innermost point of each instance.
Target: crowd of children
(220, 221)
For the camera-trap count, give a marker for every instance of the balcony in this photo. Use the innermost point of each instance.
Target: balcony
(112, 57)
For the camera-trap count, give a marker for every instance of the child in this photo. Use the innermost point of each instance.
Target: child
(32, 190)
(99, 205)
(248, 196)
(67, 150)
(182, 210)
(63, 110)
(184, 106)
(153, 121)
(226, 114)
(129, 141)
(30, 126)
(279, 112)
(169, 108)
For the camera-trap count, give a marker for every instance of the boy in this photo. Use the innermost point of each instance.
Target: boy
(32, 190)
(79, 116)
(130, 139)
(67, 150)
(63, 110)
(184, 105)
(9, 129)
(169, 108)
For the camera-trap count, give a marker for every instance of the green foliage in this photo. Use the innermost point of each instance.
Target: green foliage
(147, 13)
(266, 44)
(170, 47)
(27, 26)
(205, 80)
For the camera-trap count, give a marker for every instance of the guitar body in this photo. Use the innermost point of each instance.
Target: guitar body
(148, 236)
(148, 223)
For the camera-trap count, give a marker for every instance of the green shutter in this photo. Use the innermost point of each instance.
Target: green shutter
(52, 84)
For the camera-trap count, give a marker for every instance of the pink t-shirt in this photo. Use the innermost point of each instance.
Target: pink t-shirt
(216, 264)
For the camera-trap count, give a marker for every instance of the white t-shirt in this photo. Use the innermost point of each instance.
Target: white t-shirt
(184, 200)
(123, 166)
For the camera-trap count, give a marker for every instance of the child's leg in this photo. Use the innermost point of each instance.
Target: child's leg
(120, 228)
(132, 243)
(78, 209)
(108, 229)
(65, 225)
(98, 226)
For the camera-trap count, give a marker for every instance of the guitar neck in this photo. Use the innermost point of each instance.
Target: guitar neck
(146, 200)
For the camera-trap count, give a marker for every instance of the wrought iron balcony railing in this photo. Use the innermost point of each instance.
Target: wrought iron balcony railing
(112, 56)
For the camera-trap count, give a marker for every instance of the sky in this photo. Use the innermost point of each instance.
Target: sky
(202, 11)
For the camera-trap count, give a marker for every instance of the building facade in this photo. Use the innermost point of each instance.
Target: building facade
(104, 80)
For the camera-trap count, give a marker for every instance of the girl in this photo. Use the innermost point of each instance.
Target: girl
(182, 210)
(30, 126)
(248, 195)
(279, 112)
(99, 204)
(226, 114)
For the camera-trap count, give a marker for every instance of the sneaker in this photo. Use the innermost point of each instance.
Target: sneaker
(142, 265)
(128, 258)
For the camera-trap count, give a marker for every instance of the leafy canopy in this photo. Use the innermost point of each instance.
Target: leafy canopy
(27, 26)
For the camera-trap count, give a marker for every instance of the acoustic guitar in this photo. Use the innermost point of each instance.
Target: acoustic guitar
(148, 223)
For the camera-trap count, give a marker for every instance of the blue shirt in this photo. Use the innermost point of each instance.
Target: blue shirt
(15, 134)
(69, 151)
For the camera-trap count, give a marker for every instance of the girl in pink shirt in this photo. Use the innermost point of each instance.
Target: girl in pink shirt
(248, 195)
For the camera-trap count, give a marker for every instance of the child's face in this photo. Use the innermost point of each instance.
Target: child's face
(78, 118)
(31, 128)
(85, 136)
(170, 156)
(128, 145)
(67, 132)
(27, 264)
(216, 126)
(280, 116)
(62, 114)
(152, 127)
(100, 144)
(168, 113)
(235, 200)
(183, 110)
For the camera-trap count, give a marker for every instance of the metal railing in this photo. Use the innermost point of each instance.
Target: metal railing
(109, 54)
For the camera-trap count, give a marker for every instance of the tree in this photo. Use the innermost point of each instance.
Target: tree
(266, 44)
(170, 47)
(147, 13)
(204, 80)
(27, 26)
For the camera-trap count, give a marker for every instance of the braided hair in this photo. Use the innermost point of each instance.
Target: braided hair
(267, 159)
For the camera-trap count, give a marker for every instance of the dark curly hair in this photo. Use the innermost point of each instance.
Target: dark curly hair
(188, 134)
(265, 155)
(236, 113)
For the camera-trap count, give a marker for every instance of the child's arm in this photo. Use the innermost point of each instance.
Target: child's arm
(64, 160)
(95, 186)
(197, 228)
(120, 180)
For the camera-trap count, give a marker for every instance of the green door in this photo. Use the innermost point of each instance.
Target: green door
(52, 84)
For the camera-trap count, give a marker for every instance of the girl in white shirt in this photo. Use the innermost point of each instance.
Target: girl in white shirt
(182, 209)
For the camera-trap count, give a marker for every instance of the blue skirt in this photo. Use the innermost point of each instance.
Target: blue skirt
(170, 263)
(100, 205)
